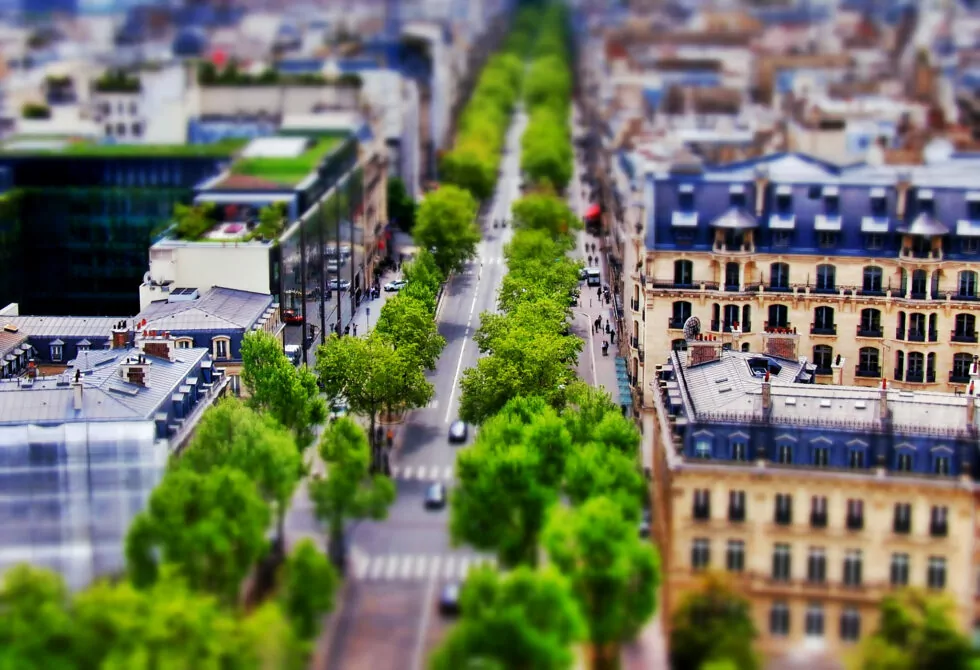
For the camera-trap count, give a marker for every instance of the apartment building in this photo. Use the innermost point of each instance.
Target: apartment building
(818, 500)
(869, 272)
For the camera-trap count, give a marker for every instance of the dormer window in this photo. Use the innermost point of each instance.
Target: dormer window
(831, 201)
(879, 202)
(973, 209)
(736, 195)
(926, 204)
(784, 200)
(685, 197)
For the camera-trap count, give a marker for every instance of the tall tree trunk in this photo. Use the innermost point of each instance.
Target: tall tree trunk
(605, 656)
(375, 447)
(280, 541)
(336, 547)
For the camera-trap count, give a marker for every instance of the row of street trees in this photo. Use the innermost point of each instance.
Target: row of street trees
(552, 483)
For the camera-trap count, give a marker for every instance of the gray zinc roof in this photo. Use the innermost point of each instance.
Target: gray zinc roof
(219, 308)
(92, 327)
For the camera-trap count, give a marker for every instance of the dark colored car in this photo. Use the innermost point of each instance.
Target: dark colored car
(457, 431)
(292, 317)
(435, 496)
(449, 600)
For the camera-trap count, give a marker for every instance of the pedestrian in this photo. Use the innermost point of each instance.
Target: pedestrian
(347, 330)
(355, 330)
(390, 437)
(598, 293)
(612, 336)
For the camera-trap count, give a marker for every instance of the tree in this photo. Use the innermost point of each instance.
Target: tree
(276, 386)
(401, 206)
(915, 630)
(446, 226)
(406, 323)
(210, 526)
(614, 573)
(309, 583)
(526, 620)
(193, 221)
(710, 624)
(542, 211)
(424, 280)
(348, 490)
(373, 376)
(232, 435)
(35, 622)
(595, 470)
(272, 219)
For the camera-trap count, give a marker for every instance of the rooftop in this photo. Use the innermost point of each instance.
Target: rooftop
(275, 163)
(63, 326)
(218, 308)
(64, 146)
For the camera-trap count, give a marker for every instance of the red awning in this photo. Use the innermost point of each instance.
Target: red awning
(592, 212)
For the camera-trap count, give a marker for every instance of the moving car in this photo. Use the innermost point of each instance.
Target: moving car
(396, 285)
(457, 431)
(435, 496)
(593, 277)
(293, 353)
(338, 408)
(449, 600)
(338, 284)
(292, 317)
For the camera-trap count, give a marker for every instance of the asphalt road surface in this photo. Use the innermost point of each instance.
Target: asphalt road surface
(389, 617)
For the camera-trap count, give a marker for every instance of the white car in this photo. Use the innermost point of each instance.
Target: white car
(394, 286)
(338, 285)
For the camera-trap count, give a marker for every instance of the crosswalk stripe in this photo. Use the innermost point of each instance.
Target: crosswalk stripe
(450, 564)
(464, 567)
(361, 566)
(406, 472)
(377, 566)
(449, 472)
(391, 566)
(434, 567)
(419, 567)
(395, 471)
(422, 472)
(406, 570)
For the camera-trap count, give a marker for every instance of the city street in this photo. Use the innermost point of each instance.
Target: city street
(388, 618)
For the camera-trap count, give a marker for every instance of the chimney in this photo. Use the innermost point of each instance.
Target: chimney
(766, 393)
(135, 370)
(883, 400)
(76, 388)
(902, 187)
(837, 369)
(157, 344)
(971, 407)
(761, 182)
(704, 349)
(122, 336)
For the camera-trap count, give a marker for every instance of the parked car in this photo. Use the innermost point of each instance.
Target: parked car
(292, 317)
(457, 431)
(338, 408)
(396, 285)
(449, 600)
(435, 496)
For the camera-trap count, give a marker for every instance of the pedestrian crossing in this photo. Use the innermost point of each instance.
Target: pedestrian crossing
(426, 473)
(416, 567)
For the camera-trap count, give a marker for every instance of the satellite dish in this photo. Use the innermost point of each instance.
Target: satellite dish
(692, 328)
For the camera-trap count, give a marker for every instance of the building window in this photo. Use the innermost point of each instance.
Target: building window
(184, 343)
(903, 462)
(967, 285)
(779, 619)
(700, 553)
(868, 362)
(870, 323)
(781, 564)
(781, 239)
(961, 368)
(872, 279)
(784, 509)
(941, 464)
(816, 565)
(702, 449)
(970, 245)
(683, 273)
(814, 620)
(779, 276)
(855, 514)
(56, 352)
(221, 347)
(736, 505)
(850, 624)
(823, 321)
(818, 511)
(680, 312)
(902, 523)
(899, 573)
(735, 556)
(678, 345)
(784, 454)
(701, 504)
(827, 239)
(137, 129)
(965, 328)
(874, 242)
(826, 278)
(936, 574)
(852, 567)
(821, 456)
(938, 521)
(823, 359)
(855, 459)
(83, 347)
(740, 451)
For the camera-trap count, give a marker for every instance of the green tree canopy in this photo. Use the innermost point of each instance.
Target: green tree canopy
(288, 393)
(401, 206)
(407, 324)
(210, 526)
(36, 627)
(272, 220)
(915, 630)
(308, 585)
(710, 624)
(614, 573)
(230, 434)
(348, 490)
(596, 470)
(526, 620)
(543, 211)
(446, 226)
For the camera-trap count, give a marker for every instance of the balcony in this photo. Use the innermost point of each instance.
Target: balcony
(718, 326)
(959, 376)
(899, 333)
(872, 331)
(871, 372)
(635, 304)
(675, 323)
(916, 335)
(670, 284)
(967, 337)
(872, 291)
(969, 296)
(823, 329)
(914, 376)
(779, 328)
(917, 295)
(909, 253)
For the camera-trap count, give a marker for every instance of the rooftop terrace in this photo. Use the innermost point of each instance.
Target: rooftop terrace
(280, 161)
(62, 146)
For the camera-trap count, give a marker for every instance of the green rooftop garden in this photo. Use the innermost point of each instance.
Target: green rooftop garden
(287, 171)
(84, 148)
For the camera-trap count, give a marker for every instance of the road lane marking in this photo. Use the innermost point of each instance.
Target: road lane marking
(449, 472)
(406, 570)
(377, 567)
(464, 567)
(426, 615)
(459, 368)
(391, 567)
(450, 567)
(360, 565)
(473, 305)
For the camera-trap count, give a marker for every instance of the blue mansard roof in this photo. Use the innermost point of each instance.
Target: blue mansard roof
(805, 196)
(719, 403)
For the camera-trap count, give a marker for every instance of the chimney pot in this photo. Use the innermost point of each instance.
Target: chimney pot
(971, 407)
(883, 400)
(766, 392)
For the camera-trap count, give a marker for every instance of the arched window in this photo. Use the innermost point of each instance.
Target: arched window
(965, 328)
(683, 273)
(746, 323)
(731, 317)
(681, 312)
(823, 358)
(967, 285)
(823, 321)
(899, 365)
(917, 364)
(778, 316)
(779, 276)
(826, 279)
(872, 282)
(917, 327)
(869, 364)
(870, 323)
(732, 280)
(930, 368)
(919, 281)
(960, 373)
(678, 345)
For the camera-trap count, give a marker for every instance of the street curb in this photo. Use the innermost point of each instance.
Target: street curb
(324, 643)
(442, 294)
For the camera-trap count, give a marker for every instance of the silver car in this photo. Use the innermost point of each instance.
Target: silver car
(457, 431)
